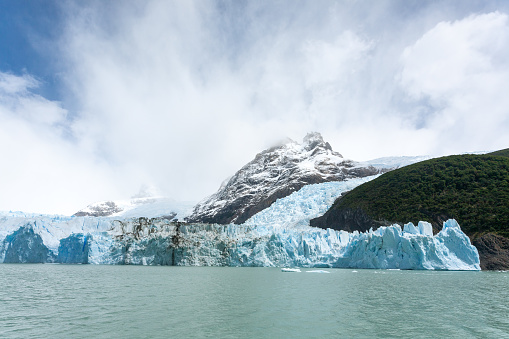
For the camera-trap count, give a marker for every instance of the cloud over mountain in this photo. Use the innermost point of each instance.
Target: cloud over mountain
(178, 95)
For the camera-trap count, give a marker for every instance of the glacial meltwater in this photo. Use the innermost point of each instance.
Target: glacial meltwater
(95, 301)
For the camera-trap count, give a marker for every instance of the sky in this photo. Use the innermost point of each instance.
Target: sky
(102, 99)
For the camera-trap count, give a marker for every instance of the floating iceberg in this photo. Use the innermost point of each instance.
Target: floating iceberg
(317, 271)
(291, 270)
(276, 237)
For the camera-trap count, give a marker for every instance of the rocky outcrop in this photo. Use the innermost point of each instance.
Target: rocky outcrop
(493, 251)
(102, 209)
(276, 173)
(348, 220)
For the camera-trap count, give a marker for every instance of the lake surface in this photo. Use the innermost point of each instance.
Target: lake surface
(93, 301)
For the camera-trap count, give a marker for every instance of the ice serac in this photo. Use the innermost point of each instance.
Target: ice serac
(74, 249)
(412, 248)
(25, 246)
(276, 173)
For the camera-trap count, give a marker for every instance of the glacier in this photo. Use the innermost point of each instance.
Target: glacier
(305, 204)
(279, 236)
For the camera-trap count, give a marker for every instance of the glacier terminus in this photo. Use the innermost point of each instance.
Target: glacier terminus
(278, 236)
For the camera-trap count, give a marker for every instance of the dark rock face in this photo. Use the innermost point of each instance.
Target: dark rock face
(493, 251)
(276, 173)
(347, 220)
(350, 220)
(24, 246)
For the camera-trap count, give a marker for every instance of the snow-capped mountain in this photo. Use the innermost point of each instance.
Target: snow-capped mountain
(148, 207)
(275, 173)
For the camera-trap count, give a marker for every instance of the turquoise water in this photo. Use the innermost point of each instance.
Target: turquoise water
(89, 301)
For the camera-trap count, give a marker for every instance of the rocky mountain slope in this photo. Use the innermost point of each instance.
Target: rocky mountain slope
(276, 173)
(473, 189)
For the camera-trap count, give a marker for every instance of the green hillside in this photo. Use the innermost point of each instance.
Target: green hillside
(501, 153)
(473, 189)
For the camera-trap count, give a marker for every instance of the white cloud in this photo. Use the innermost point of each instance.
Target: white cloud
(168, 91)
(179, 95)
(330, 62)
(460, 70)
(160, 96)
(41, 172)
(12, 84)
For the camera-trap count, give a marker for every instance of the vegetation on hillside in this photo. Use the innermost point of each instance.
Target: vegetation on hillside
(501, 153)
(473, 189)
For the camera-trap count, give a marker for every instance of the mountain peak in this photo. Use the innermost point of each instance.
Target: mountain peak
(275, 173)
(313, 140)
(312, 137)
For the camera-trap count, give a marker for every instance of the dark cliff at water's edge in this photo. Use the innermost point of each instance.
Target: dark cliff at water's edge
(473, 189)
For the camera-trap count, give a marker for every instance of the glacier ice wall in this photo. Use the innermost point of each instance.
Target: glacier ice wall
(160, 242)
(278, 236)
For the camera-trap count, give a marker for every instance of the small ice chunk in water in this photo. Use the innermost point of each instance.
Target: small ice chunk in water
(317, 271)
(284, 269)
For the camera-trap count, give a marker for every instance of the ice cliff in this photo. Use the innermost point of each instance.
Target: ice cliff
(277, 236)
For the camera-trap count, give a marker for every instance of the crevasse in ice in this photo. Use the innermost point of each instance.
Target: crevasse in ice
(278, 236)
